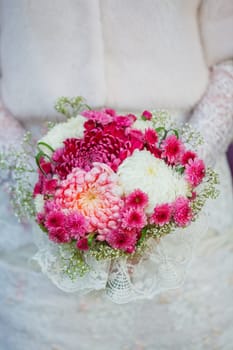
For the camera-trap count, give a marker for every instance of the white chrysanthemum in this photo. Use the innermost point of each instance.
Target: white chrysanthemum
(142, 125)
(159, 181)
(60, 132)
(39, 203)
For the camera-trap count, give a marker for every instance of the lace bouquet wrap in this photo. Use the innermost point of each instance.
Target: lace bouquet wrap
(118, 201)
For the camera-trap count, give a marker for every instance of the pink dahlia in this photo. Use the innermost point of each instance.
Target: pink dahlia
(122, 239)
(137, 199)
(133, 218)
(147, 115)
(187, 156)
(172, 149)
(195, 172)
(109, 144)
(162, 214)
(94, 194)
(182, 211)
(77, 225)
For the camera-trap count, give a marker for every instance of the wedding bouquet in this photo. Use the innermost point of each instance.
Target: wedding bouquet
(109, 188)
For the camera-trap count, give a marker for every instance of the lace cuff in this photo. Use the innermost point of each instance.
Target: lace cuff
(213, 116)
(11, 130)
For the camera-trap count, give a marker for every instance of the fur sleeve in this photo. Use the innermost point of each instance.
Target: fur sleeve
(216, 26)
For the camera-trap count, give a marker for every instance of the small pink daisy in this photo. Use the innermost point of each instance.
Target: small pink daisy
(151, 136)
(195, 172)
(187, 156)
(125, 121)
(77, 225)
(137, 199)
(50, 185)
(55, 219)
(133, 218)
(182, 211)
(162, 214)
(172, 149)
(122, 239)
(59, 235)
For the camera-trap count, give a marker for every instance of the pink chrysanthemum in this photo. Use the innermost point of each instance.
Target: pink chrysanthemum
(147, 115)
(102, 117)
(162, 214)
(95, 194)
(137, 199)
(187, 156)
(195, 172)
(59, 235)
(77, 225)
(125, 121)
(82, 244)
(50, 186)
(172, 149)
(182, 211)
(151, 137)
(55, 219)
(133, 218)
(122, 239)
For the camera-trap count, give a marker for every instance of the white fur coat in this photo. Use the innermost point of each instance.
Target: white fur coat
(127, 54)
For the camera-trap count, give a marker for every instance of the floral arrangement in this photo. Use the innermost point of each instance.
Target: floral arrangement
(107, 183)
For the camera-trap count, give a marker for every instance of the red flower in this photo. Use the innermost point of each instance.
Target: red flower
(109, 144)
(49, 186)
(195, 172)
(59, 235)
(122, 239)
(77, 225)
(162, 214)
(82, 244)
(151, 136)
(137, 199)
(172, 149)
(182, 211)
(55, 219)
(133, 218)
(147, 115)
(126, 120)
(187, 156)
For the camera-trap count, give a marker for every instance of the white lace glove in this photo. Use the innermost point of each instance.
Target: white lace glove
(213, 116)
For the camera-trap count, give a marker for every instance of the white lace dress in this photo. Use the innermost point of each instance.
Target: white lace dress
(34, 314)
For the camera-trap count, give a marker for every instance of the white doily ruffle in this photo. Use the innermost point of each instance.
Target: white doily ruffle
(163, 266)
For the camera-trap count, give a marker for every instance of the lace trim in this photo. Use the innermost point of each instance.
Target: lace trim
(213, 116)
(163, 267)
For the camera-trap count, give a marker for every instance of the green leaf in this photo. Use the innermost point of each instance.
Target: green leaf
(90, 238)
(39, 155)
(41, 143)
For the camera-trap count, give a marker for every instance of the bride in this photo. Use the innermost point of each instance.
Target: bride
(129, 55)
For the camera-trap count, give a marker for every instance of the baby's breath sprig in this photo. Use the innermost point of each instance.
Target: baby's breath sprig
(73, 262)
(191, 136)
(18, 175)
(70, 107)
